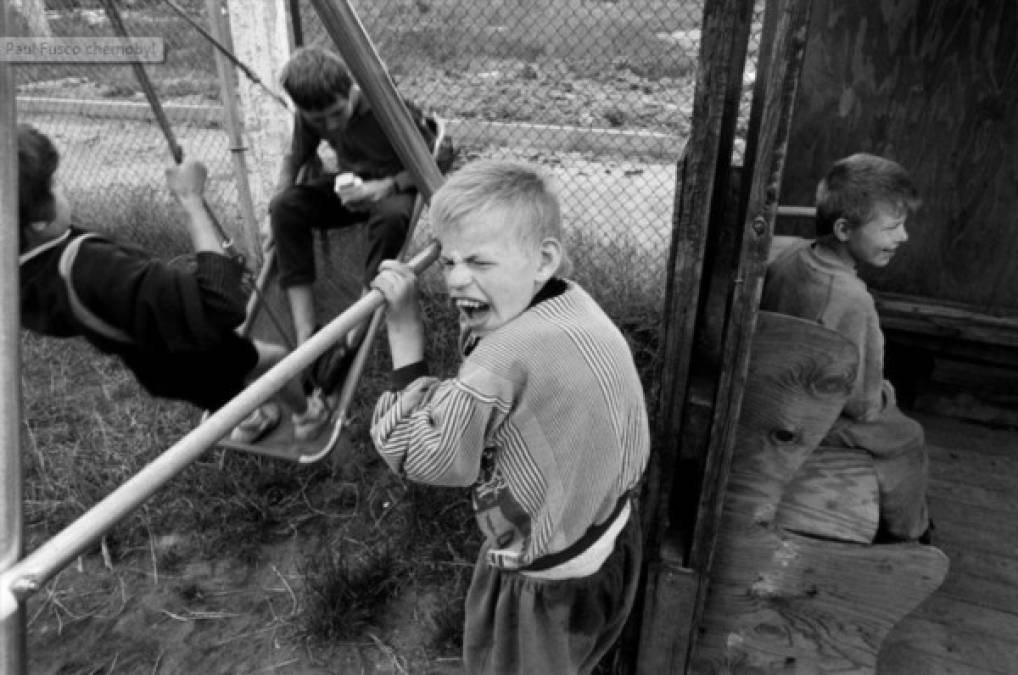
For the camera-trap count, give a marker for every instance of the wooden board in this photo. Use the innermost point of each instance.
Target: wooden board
(834, 495)
(668, 606)
(940, 636)
(777, 601)
(902, 659)
(933, 86)
(783, 603)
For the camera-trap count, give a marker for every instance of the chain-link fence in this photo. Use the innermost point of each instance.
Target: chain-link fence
(598, 91)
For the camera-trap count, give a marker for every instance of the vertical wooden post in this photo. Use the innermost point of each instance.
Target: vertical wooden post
(671, 586)
(12, 613)
(775, 98)
(719, 253)
(249, 231)
(261, 39)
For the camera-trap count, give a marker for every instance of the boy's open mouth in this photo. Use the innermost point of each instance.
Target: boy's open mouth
(470, 309)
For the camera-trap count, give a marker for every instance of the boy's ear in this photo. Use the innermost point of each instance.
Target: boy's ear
(841, 230)
(551, 259)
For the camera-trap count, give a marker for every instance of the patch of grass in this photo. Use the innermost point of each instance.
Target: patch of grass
(346, 594)
(188, 56)
(143, 215)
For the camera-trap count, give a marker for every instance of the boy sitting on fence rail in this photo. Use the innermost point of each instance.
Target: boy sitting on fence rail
(545, 420)
(173, 328)
(861, 208)
(331, 108)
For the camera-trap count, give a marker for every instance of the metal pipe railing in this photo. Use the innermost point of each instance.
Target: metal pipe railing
(12, 617)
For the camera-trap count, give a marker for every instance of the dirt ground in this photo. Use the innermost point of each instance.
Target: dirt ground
(221, 617)
(209, 616)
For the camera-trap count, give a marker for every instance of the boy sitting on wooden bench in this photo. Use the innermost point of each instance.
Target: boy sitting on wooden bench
(861, 208)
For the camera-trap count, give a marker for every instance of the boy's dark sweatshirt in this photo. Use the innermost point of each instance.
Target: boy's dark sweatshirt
(180, 322)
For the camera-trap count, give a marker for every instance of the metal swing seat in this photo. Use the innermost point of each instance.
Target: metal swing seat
(335, 290)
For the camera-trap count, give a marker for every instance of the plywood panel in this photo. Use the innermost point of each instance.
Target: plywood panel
(933, 85)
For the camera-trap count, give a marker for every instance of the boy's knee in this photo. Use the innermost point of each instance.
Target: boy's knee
(283, 203)
(914, 431)
(390, 225)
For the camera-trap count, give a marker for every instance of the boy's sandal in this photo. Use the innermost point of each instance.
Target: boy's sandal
(309, 424)
(258, 424)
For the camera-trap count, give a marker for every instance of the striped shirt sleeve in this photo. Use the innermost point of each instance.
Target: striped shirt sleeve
(434, 431)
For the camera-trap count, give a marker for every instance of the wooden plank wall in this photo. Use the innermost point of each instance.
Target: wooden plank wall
(933, 85)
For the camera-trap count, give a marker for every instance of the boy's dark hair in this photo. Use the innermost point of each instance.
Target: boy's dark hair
(37, 163)
(856, 185)
(314, 76)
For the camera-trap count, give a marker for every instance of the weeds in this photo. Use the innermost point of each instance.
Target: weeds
(347, 593)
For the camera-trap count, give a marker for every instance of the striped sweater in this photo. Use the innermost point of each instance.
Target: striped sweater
(545, 420)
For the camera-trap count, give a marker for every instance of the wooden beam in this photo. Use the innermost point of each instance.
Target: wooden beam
(773, 106)
(667, 612)
(943, 318)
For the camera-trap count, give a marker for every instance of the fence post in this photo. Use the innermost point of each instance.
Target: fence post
(261, 39)
(12, 617)
(248, 236)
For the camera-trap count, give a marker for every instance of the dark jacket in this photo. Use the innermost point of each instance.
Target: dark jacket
(173, 327)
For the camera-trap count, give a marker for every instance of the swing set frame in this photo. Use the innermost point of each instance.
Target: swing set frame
(21, 577)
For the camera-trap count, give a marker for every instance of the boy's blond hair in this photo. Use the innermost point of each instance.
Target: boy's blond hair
(525, 193)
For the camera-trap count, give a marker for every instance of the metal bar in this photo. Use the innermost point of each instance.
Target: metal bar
(296, 25)
(217, 22)
(12, 613)
(251, 232)
(357, 367)
(29, 575)
(113, 14)
(361, 57)
(257, 301)
(797, 211)
(164, 124)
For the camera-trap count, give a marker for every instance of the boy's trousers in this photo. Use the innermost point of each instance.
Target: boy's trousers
(898, 447)
(518, 624)
(298, 209)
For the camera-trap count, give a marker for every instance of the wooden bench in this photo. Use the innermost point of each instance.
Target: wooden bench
(796, 586)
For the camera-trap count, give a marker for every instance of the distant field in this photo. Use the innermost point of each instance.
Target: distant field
(588, 63)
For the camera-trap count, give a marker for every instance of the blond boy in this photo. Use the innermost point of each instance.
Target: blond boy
(545, 421)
